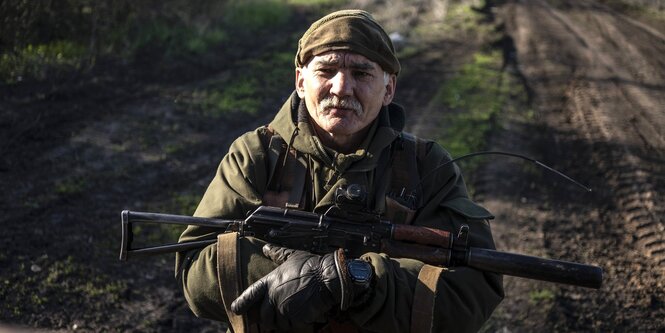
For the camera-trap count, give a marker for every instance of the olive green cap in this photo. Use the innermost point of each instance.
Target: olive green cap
(352, 30)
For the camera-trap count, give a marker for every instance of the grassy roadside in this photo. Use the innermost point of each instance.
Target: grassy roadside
(476, 97)
(52, 42)
(484, 90)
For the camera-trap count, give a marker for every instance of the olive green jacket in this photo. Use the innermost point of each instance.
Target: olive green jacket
(465, 297)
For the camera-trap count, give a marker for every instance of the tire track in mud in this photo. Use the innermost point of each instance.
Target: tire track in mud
(621, 119)
(614, 97)
(626, 173)
(598, 82)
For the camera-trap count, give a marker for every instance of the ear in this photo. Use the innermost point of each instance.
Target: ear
(390, 90)
(300, 82)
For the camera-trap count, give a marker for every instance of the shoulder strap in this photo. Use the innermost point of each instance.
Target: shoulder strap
(405, 174)
(286, 183)
(398, 192)
(276, 149)
(297, 173)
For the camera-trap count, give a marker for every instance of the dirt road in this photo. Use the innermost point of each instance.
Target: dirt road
(598, 83)
(596, 80)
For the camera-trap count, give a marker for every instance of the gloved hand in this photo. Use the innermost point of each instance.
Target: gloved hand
(304, 289)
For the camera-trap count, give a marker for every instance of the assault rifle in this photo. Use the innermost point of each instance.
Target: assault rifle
(357, 231)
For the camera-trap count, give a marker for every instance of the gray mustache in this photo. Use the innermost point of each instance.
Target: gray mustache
(344, 103)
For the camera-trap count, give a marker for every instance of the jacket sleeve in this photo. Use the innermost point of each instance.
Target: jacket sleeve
(233, 192)
(465, 297)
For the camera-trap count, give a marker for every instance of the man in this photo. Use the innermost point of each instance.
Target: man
(340, 127)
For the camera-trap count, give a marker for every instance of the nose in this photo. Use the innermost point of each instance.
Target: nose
(342, 84)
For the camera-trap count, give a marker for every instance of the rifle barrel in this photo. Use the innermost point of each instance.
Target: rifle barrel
(535, 268)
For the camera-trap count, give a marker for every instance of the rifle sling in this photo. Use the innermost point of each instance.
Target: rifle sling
(422, 314)
(230, 280)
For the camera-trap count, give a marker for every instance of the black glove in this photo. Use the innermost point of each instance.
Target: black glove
(305, 288)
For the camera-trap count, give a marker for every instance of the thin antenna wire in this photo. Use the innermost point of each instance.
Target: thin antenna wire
(506, 154)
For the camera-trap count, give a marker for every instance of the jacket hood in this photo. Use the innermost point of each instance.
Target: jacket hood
(293, 125)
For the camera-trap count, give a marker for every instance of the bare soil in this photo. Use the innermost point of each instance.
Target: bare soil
(75, 154)
(597, 81)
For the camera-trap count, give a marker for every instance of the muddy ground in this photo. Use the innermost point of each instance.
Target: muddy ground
(75, 154)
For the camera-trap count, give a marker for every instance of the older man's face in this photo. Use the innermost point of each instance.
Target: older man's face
(344, 91)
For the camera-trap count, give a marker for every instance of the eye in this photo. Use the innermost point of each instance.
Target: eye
(326, 71)
(362, 74)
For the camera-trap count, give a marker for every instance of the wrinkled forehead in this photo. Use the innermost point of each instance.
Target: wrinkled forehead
(343, 59)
